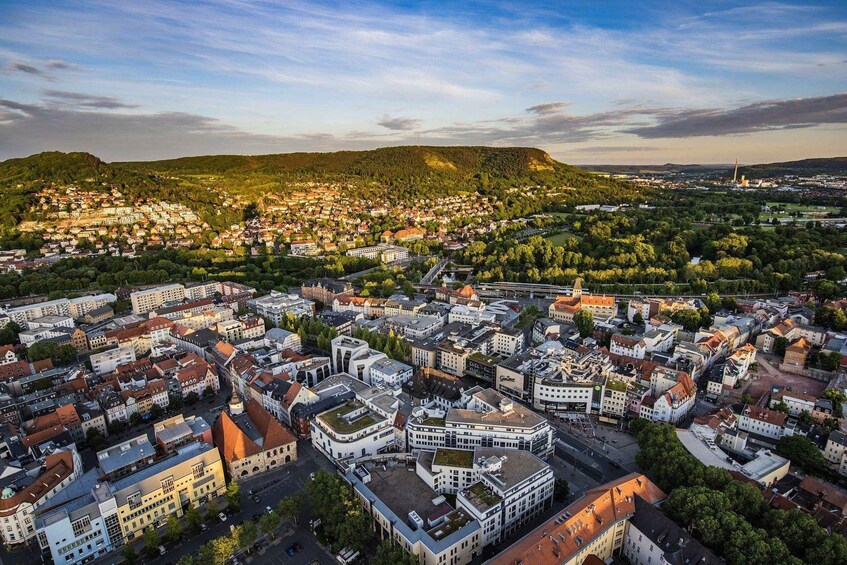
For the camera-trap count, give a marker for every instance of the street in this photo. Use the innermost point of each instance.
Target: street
(271, 488)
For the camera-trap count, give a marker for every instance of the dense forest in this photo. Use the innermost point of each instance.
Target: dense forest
(686, 242)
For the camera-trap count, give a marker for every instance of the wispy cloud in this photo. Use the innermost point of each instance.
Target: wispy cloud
(24, 68)
(399, 124)
(761, 116)
(319, 72)
(86, 100)
(547, 108)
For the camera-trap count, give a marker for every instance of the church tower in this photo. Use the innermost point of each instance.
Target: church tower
(236, 407)
(577, 288)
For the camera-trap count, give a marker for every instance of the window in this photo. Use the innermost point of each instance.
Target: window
(81, 526)
(167, 484)
(134, 500)
(199, 470)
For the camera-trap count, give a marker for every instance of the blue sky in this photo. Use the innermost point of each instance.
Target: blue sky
(590, 82)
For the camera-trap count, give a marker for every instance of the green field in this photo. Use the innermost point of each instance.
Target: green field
(559, 238)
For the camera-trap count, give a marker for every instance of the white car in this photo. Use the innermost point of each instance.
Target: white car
(268, 509)
(222, 516)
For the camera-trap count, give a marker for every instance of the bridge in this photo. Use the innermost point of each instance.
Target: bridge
(436, 269)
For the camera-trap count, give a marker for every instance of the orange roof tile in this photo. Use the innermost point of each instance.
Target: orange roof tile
(588, 518)
(68, 416)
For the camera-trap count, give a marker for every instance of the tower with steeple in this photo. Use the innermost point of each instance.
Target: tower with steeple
(236, 406)
(577, 288)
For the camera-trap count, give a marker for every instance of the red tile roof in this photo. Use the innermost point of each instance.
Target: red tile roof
(587, 519)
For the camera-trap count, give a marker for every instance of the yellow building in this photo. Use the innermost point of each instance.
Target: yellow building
(191, 476)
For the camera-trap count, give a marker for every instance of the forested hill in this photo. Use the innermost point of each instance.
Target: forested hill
(396, 162)
(21, 178)
(807, 167)
(522, 180)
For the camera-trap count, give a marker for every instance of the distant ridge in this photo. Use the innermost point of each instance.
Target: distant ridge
(825, 165)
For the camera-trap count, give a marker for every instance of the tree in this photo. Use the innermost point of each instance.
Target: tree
(223, 548)
(135, 419)
(712, 302)
(233, 496)
(186, 560)
(156, 411)
(211, 511)
(151, 542)
(94, 439)
(191, 398)
(269, 522)
(779, 345)
(206, 554)
(638, 319)
(208, 392)
(193, 519)
(838, 398)
(389, 553)
(561, 490)
(246, 533)
(290, 506)
(746, 399)
(129, 554)
(801, 451)
(116, 426)
(830, 361)
(584, 321)
(782, 406)
(173, 528)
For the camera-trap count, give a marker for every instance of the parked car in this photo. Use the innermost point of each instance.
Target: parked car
(255, 498)
(162, 550)
(222, 516)
(268, 509)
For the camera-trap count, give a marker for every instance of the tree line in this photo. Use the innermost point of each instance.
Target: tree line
(729, 516)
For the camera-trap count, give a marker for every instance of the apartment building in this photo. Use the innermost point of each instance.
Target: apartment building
(595, 525)
(24, 490)
(360, 427)
(389, 372)
(488, 419)
(501, 489)
(107, 361)
(146, 498)
(405, 509)
(144, 301)
(277, 305)
(763, 423)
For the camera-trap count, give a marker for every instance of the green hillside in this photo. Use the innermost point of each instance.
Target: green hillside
(388, 174)
(455, 162)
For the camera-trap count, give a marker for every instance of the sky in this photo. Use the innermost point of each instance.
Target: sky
(617, 82)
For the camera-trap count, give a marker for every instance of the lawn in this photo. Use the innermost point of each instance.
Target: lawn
(559, 238)
(478, 489)
(334, 419)
(434, 422)
(454, 457)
